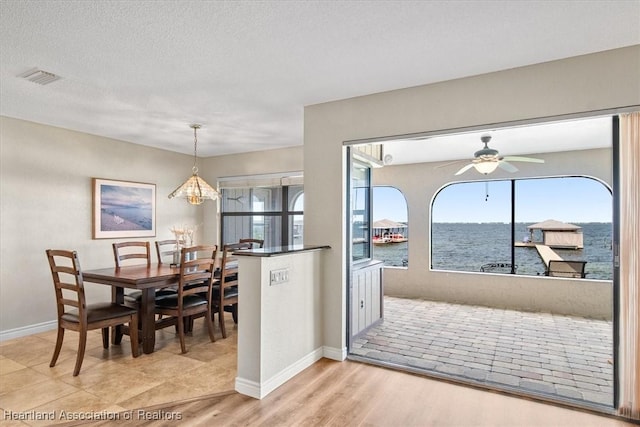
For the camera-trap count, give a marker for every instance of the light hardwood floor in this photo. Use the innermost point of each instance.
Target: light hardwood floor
(331, 393)
(166, 389)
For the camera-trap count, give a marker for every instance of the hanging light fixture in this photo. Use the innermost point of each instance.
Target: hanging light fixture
(195, 189)
(486, 167)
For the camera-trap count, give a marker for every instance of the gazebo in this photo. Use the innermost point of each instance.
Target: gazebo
(557, 234)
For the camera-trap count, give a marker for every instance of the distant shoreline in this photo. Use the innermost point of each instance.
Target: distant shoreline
(111, 222)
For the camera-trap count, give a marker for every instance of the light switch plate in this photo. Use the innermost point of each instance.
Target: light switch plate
(279, 276)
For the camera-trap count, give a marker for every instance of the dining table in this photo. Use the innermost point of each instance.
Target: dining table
(147, 279)
(141, 277)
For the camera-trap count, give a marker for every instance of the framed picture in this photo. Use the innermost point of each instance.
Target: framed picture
(123, 209)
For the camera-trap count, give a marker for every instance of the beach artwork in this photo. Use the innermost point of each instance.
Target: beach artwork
(123, 209)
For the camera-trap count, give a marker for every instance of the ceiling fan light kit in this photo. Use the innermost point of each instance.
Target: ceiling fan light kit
(486, 167)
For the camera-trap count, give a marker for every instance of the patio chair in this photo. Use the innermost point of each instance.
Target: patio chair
(566, 268)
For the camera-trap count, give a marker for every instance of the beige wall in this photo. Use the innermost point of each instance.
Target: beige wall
(45, 191)
(599, 81)
(419, 183)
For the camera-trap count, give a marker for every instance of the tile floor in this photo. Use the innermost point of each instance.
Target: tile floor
(111, 380)
(569, 357)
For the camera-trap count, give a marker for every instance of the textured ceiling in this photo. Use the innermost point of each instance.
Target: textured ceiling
(141, 71)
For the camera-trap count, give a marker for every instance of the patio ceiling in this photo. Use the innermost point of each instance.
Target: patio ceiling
(542, 138)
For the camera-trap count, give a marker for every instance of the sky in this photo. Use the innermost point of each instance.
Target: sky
(569, 199)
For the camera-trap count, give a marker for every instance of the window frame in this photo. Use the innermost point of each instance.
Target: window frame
(512, 224)
(286, 214)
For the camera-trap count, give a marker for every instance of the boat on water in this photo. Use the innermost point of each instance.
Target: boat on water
(397, 238)
(381, 240)
(386, 231)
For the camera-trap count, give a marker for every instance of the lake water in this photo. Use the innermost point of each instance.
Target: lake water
(466, 247)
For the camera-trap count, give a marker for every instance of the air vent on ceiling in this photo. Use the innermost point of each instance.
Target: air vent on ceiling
(41, 77)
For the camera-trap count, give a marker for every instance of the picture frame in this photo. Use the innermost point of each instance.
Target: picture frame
(123, 209)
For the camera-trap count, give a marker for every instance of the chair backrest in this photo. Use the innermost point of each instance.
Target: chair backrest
(131, 250)
(255, 243)
(168, 250)
(67, 280)
(229, 266)
(197, 265)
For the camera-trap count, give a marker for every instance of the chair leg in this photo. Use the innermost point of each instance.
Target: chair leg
(117, 334)
(56, 352)
(221, 320)
(234, 313)
(82, 344)
(105, 337)
(181, 333)
(133, 334)
(207, 318)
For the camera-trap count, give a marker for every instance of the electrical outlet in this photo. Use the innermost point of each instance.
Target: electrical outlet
(279, 276)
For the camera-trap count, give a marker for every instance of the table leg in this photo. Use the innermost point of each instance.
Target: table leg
(117, 296)
(147, 314)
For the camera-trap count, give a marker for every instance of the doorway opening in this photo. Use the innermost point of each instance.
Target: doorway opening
(499, 329)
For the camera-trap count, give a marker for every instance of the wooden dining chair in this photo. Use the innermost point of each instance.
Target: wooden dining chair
(83, 317)
(123, 252)
(225, 290)
(168, 251)
(197, 265)
(255, 243)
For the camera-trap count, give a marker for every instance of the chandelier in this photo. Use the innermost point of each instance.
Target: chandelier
(195, 189)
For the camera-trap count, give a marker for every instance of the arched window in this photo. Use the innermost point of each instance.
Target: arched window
(390, 231)
(562, 227)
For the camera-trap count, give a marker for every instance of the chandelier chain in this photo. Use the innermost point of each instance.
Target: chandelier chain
(195, 147)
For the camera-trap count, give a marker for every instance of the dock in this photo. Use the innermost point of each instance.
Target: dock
(556, 234)
(556, 266)
(547, 254)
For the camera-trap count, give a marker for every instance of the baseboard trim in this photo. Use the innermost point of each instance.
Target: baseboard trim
(28, 330)
(260, 390)
(334, 353)
(248, 388)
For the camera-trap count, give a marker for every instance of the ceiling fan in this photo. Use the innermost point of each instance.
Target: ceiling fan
(488, 160)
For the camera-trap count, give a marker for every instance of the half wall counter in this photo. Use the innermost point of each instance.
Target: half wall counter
(279, 315)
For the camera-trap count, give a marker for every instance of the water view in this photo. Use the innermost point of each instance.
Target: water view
(468, 246)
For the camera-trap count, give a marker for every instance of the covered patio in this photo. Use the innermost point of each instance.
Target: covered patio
(554, 356)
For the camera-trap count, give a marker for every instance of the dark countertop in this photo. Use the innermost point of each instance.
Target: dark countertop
(280, 250)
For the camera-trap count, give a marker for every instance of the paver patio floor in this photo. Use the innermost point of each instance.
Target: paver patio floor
(565, 356)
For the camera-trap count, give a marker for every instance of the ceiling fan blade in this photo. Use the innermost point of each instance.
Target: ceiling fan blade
(507, 166)
(450, 163)
(464, 169)
(522, 159)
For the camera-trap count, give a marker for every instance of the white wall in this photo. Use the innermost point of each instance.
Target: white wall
(420, 182)
(599, 81)
(279, 334)
(45, 193)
